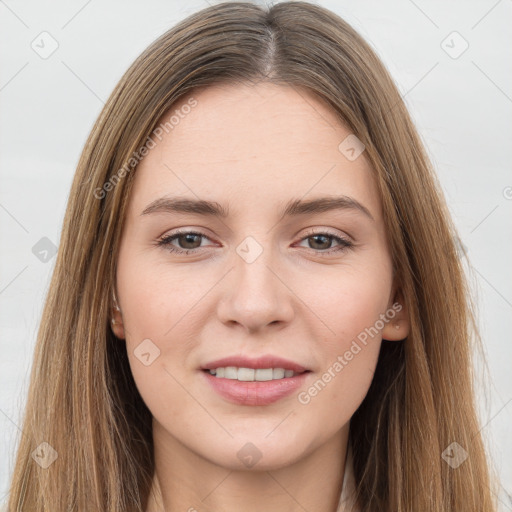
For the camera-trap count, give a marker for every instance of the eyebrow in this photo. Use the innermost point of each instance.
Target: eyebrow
(294, 207)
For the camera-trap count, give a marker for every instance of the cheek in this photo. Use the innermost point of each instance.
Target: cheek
(353, 371)
(158, 300)
(163, 318)
(352, 304)
(349, 358)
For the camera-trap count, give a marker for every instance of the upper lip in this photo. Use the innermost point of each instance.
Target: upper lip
(267, 361)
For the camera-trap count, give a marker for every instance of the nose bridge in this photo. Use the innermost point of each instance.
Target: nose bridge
(252, 273)
(256, 296)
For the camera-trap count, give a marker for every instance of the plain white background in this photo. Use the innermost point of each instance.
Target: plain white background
(460, 99)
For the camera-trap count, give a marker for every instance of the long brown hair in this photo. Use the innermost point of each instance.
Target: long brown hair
(82, 399)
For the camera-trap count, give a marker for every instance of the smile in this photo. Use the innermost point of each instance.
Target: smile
(252, 374)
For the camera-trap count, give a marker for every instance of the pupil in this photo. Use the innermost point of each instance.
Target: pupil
(325, 238)
(189, 239)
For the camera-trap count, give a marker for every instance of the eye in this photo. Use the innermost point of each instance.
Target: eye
(189, 239)
(190, 242)
(321, 241)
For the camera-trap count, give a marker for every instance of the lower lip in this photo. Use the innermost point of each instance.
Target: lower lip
(256, 392)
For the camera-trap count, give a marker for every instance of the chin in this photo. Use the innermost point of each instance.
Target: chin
(255, 453)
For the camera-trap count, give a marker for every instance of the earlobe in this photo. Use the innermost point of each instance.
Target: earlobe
(397, 328)
(395, 331)
(116, 321)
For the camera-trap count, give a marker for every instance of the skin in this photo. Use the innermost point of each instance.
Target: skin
(253, 148)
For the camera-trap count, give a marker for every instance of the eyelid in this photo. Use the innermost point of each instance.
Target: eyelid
(344, 241)
(327, 231)
(309, 232)
(182, 231)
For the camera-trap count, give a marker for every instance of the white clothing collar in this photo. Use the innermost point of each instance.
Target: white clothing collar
(348, 488)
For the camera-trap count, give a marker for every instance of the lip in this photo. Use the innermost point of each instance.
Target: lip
(267, 361)
(256, 392)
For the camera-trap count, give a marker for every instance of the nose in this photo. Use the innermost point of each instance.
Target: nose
(256, 294)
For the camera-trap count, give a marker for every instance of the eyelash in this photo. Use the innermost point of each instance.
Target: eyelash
(166, 242)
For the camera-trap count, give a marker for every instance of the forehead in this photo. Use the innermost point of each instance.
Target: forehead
(252, 144)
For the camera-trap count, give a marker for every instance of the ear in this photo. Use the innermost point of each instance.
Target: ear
(397, 328)
(116, 321)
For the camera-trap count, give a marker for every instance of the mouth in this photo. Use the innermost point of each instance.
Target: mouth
(260, 381)
(242, 374)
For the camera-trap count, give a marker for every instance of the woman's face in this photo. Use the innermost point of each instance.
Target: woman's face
(278, 279)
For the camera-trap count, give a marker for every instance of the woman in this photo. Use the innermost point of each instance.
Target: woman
(257, 302)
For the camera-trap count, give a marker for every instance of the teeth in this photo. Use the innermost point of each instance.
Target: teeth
(230, 372)
(251, 374)
(278, 373)
(245, 374)
(262, 375)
